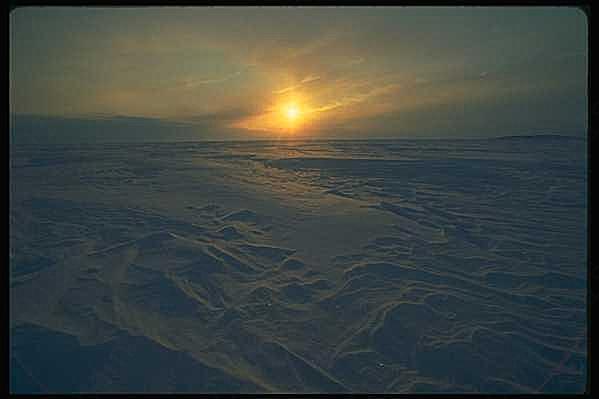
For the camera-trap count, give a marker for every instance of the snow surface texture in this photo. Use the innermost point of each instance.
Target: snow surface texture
(341, 266)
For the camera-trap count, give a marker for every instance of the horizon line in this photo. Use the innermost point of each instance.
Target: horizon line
(321, 139)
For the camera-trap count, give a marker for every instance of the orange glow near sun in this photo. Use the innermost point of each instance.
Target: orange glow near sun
(285, 116)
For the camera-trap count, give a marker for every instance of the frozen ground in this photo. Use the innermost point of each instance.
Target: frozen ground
(365, 266)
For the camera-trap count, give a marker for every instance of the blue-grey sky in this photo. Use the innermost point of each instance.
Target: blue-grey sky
(262, 72)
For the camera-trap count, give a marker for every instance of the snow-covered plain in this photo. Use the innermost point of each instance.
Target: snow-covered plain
(299, 266)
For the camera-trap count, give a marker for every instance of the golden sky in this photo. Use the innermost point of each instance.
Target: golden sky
(321, 71)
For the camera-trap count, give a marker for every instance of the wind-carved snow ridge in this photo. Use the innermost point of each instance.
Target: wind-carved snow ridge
(316, 266)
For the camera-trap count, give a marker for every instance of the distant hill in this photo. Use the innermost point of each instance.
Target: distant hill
(37, 129)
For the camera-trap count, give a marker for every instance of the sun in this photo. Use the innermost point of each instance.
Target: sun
(292, 112)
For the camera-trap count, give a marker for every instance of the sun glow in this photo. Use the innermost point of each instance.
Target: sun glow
(292, 115)
(292, 112)
(285, 116)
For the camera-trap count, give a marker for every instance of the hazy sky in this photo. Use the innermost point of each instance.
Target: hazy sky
(319, 72)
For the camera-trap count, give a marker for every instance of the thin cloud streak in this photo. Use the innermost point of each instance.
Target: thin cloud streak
(359, 98)
(194, 83)
(356, 61)
(306, 80)
(310, 78)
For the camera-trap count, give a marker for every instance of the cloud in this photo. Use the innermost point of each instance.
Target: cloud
(286, 89)
(309, 79)
(191, 83)
(356, 61)
(220, 118)
(317, 45)
(359, 98)
(306, 80)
